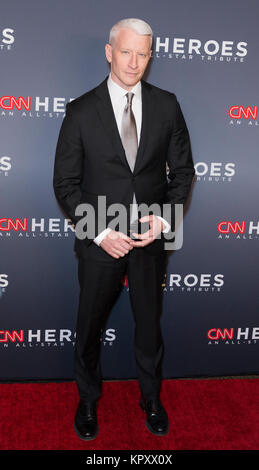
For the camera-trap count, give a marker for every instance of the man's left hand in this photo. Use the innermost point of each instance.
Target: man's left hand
(156, 227)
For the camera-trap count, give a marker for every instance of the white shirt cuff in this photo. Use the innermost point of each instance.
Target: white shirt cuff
(167, 225)
(101, 236)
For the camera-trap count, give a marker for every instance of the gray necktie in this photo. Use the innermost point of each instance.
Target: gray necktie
(129, 139)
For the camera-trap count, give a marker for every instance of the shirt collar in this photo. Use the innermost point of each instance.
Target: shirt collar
(116, 91)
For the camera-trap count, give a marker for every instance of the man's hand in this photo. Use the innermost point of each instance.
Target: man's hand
(156, 227)
(116, 244)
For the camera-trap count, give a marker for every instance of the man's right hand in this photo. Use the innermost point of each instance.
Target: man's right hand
(116, 244)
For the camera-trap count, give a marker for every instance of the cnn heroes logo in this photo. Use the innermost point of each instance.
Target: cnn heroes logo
(217, 172)
(239, 230)
(207, 51)
(48, 338)
(28, 106)
(6, 39)
(204, 282)
(228, 336)
(27, 228)
(213, 171)
(241, 115)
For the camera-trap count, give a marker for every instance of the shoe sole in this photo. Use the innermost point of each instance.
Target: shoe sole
(86, 438)
(157, 433)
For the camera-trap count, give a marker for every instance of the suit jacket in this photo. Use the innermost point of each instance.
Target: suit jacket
(90, 159)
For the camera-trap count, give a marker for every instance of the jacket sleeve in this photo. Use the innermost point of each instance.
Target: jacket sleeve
(179, 161)
(68, 165)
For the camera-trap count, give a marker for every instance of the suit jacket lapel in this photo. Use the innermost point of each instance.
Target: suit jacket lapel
(105, 110)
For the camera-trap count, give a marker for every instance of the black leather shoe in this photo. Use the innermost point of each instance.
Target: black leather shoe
(85, 424)
(157, 420)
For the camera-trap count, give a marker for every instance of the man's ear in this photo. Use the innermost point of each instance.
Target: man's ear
(108, 52)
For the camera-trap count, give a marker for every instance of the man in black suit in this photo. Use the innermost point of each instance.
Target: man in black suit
(115, 142)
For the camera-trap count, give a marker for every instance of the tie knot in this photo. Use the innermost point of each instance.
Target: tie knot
(129, 97)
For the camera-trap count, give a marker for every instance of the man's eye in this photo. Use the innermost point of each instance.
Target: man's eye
(125, 52)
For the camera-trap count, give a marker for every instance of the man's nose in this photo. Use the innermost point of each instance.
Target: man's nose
(133, 61)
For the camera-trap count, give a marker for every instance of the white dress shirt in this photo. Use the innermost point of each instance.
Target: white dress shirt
(119, 101)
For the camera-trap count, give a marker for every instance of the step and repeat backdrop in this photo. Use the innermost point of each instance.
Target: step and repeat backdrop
(207, 54)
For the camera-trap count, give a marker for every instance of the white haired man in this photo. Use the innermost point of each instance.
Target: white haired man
(115, 141)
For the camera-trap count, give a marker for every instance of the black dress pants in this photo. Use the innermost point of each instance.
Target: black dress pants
(100, 277)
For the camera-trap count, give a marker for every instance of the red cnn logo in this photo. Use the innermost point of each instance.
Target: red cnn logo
(216, 333)
(236, 112)
(15, 225)
(12, 336)
(227, 227)
(10, 102)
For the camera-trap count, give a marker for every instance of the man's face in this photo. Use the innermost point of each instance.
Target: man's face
(128, 56)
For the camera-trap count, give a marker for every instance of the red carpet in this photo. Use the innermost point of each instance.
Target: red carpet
(215, 414)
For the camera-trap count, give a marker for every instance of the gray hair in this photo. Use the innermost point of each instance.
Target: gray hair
(140, 26)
